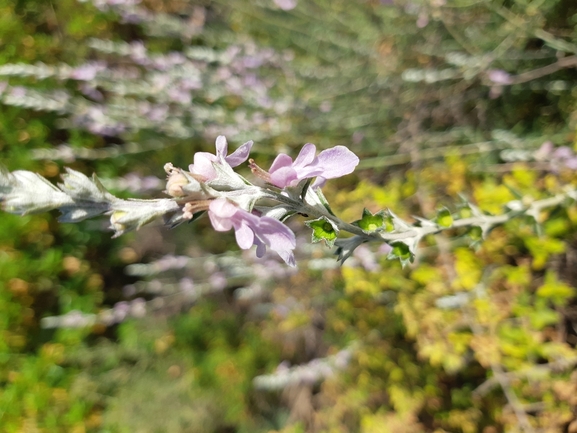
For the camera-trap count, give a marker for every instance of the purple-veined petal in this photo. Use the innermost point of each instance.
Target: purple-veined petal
(220, 212)
(221, 147)
(282, 160)
(330, 163)
(319, 182)
(223, 208)
(288, 257)
(336, 162)
(260, 248)
(240, 155)
(218, 223)
(306, 156)
(251, 229)
(244, 236)
(203, 165)
(283, 177)
(278, 237)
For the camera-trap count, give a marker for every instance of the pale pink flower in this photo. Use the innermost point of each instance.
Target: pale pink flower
(251, 229)
(329, 164)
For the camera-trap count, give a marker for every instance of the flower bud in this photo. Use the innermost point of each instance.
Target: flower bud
(114, 221)
(176, 181)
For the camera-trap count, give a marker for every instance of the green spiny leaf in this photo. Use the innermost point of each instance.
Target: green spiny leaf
(371, 223)
(444, 218)
(402, 252)
(323, 229)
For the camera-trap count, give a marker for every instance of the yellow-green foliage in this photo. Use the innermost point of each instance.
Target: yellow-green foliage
(511, 320)
(463, 340)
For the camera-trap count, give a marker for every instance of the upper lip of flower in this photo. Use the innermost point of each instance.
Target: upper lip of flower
(329, 164)
(203, 161)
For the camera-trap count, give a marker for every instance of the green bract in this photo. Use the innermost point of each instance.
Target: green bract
(323, 230)
(372, 223)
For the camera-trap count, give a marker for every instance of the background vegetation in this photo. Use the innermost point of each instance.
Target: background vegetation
(167, 331)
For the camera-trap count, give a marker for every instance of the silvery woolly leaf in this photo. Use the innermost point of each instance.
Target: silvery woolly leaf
(245, 198)
(399, 224)
(299, 191)
(346, 247)
(128, 215)
(81, 188)
(281, 212)
(23, 192)
(90, 197)
(316, 198)
(227, 179)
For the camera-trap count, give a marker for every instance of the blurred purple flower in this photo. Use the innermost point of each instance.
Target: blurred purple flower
(559, 157)
(329, 164)
(91, 91)
(498, 76)
(422, 20)
(286, 5)
(18, 91)
(252, 230)
(366, 258)
(563, 152)
(218, 280)
(88, 71)
(138, 308)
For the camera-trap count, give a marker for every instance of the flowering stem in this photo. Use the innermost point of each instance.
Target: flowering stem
(484, 221)
(315, 212)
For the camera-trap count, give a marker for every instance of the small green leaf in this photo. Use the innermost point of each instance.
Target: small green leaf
(465, 212)
(389, 224)
(402, 252)
(444, 218)
(323, 229)
(476, 233)
(371, 223)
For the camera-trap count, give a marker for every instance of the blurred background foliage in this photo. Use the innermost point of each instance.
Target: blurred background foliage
(441, 99)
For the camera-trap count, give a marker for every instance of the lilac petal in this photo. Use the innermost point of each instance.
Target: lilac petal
(278, 237)
(221, 213)
(283, 177)
(282, 160)
(203, 165)
(223, 208)
(306, 156)
(240, 155)
(288, 257)
(337, 162)
(251, 229)
(319, 182)
(244, 236)
(218, 223)
(221, 146)
(260, 248)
